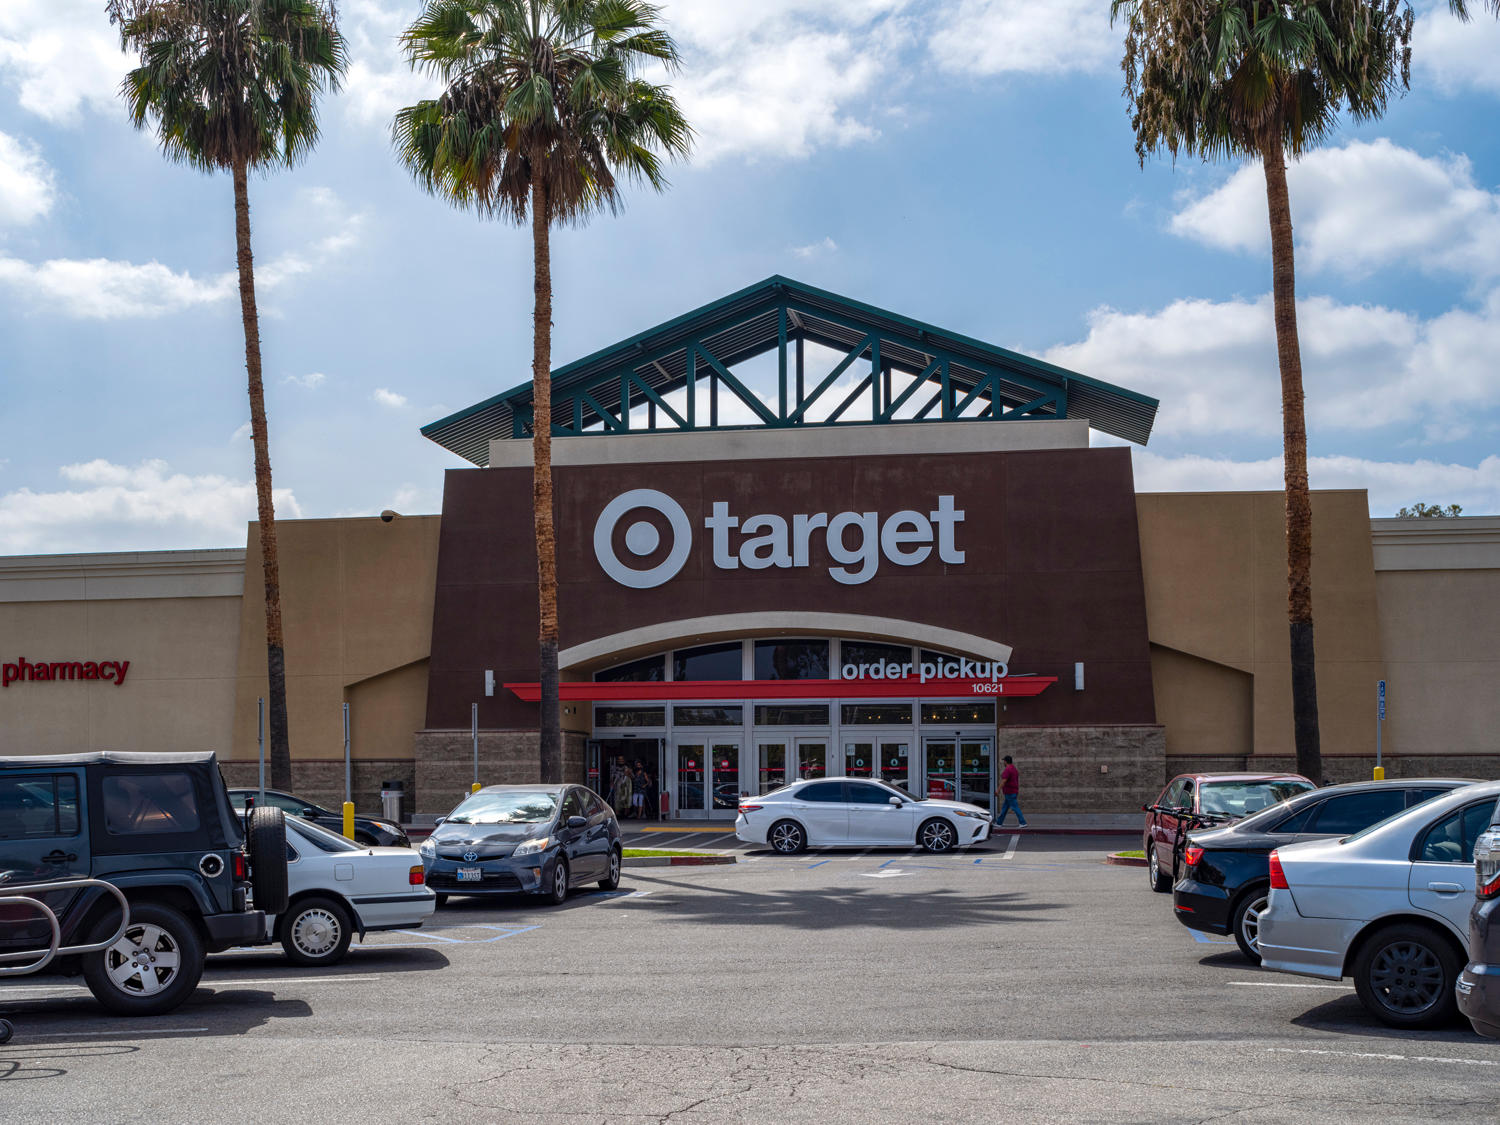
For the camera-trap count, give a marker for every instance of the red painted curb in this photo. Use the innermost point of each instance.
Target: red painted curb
(1124, 860)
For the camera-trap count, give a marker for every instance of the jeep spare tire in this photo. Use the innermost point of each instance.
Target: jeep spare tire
(265, 837)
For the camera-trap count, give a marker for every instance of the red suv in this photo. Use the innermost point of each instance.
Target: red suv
(1194, 800)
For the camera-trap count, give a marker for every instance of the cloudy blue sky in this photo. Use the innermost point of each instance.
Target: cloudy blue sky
(967, 162)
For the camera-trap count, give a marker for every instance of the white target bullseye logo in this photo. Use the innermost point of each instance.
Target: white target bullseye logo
(642, 538)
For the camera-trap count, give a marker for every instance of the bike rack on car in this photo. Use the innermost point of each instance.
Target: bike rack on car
(21, 894)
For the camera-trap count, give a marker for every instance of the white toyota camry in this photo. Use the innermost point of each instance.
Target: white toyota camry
(835, 812)
(337, 888)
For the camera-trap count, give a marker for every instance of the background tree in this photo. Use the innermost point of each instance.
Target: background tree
(1226, 78)
(232, 85)
(543, 111)
(1423, 511)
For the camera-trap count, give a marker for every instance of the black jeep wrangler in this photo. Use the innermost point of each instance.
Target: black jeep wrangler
(160, 828)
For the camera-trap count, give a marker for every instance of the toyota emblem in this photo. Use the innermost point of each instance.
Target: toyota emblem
(470, 857)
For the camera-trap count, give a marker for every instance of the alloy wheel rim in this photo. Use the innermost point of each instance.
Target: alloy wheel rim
(614, 865)
(316, 932)
(560, 881)
(1154, 864)
(786, 838)
(143, 962)
(938, 837)
(1407, 977)
(1250, 922)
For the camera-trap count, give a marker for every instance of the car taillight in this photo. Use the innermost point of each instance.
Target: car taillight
(750, 808)
(416, 876)
(1487, 866)
(1278, 876)
(241, 867)
(1192, 855)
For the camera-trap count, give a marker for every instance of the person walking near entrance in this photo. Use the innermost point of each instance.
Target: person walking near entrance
(1010, 793)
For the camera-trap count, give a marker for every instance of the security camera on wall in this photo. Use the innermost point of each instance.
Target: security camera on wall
(388, 515)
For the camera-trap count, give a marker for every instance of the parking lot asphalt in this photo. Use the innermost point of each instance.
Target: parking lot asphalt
(1022, 981)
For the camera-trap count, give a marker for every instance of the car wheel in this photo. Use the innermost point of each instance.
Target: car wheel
(316, 931)
(787, 837)
(152, 969)
(557, 886)
(1244, 921)
(440, 899)
(6, 1031)
(937, 835)
(1404, 975)
(611, 881)
(1159, 883)
(265, 835)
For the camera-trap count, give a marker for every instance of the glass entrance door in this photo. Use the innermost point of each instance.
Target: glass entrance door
(959, 769)
(883, 757)
(707, 771)
(772, 773)
(895, 763)
(859, 759)
(812, 758)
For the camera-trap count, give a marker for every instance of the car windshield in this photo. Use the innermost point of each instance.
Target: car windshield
(1241, 798)
(505, 808)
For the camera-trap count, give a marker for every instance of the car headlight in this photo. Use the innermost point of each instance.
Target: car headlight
(427, 849)
(977, 813)
(531, 847)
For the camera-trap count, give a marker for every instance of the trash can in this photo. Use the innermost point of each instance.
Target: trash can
(392, 797)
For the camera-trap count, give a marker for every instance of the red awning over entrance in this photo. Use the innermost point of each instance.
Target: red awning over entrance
(634, 691)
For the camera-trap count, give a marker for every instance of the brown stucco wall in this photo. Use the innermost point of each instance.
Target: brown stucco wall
(357, 613)
(1215, 571)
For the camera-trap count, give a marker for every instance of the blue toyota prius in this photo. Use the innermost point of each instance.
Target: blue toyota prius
(524, 839)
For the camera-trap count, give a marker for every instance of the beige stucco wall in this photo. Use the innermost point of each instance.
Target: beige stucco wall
(357, 614)
(173, 615)
(1215, 574)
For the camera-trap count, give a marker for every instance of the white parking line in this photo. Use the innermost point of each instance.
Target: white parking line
(1010, 851)
(216, 982)
(1284, 984)
(1384, 1057)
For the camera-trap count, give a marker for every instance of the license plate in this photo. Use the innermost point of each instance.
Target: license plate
(470, 875)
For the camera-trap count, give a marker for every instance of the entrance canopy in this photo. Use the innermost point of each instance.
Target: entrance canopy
(890, 369)
(910, 687)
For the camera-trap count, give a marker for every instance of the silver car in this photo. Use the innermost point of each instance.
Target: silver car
(1388, 906)
(843, 812)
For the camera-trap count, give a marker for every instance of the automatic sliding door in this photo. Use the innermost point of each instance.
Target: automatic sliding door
(895, 764)
(976, 779)
(859, 759)
(726, 777)
(772, 766)
(812, 758)
(940, 768)
(690, 774)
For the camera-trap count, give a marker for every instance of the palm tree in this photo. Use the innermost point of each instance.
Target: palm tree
(233, 85)
(1226, 78)
(543, 111)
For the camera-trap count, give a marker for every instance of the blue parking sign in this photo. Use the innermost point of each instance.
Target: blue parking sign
(1380, 697)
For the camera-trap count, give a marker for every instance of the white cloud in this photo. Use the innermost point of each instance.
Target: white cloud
(1213, 365)
(242, 433)
(1456, 56)
(27, 185)
(986, 37)
(109, 507)
(60, 56)
(823, 246)
(311, 381)
(1391, 484)
(389, 398)
(1361, 207)
(107, 289)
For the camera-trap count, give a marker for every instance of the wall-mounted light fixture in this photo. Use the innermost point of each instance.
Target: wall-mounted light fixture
(489, 682)
(1078, 676)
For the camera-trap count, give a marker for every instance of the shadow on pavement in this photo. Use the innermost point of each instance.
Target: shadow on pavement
(1349, 1017)
(370, 958)
(20, 1062)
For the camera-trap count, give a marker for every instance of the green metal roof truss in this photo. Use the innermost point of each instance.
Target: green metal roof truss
(949, 377)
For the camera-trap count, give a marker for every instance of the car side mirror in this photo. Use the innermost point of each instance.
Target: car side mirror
(578, 822)
(438, 820)
(309, 814)
(897, 801)
(1145, 808)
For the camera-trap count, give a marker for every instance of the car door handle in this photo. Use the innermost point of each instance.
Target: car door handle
(60, 856)
(1445, 888)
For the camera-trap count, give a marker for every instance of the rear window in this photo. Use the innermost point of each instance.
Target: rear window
(150, 804)
(38, 806)
(1241, 798)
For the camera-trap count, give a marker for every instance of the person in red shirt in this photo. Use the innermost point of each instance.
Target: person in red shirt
(1010, 792)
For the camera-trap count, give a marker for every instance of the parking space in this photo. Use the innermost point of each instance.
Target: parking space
(1022, 979)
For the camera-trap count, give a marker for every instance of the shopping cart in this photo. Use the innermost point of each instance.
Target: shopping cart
(23, 895)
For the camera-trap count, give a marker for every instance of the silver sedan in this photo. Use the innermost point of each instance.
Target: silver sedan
(854, 812)
(1388, 906)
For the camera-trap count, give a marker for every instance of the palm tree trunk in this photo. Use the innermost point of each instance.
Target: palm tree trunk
(1294, 454)
(550, 751)
(281, 752)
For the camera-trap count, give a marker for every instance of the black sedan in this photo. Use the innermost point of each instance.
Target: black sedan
(367, 830)
(530, 839)
(1227, 875)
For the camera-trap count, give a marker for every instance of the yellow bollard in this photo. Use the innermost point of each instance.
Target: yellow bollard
(1379, 773)
(349, 820)
(475, 787)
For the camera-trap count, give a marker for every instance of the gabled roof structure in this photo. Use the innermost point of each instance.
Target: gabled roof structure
(947, 376)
